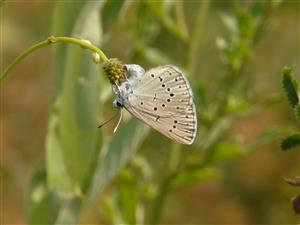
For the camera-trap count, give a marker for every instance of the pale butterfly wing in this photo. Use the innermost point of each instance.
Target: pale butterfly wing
(163, 99)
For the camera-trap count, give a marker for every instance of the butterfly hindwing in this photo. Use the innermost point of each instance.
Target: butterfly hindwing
(163, 99)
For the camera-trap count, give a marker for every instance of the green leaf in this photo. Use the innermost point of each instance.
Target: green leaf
(290, 86)
(58, 177)
(70, 211)
(120, 150)
(43, 205)
(291, 142)
(78, 111)
(64, 18)
(46, 206)
(245, 24)
(73, 140)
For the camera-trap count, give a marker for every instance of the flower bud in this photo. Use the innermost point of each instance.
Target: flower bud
(115, 70)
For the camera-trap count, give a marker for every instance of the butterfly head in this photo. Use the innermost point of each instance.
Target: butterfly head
(122, 92)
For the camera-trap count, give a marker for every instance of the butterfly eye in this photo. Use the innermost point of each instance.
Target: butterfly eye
(119, 104)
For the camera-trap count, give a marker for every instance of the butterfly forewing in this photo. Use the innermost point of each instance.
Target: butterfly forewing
(163, 99)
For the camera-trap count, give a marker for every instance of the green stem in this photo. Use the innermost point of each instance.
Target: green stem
(164, 187)
(181, 17)
(52, 40)
(196, 36)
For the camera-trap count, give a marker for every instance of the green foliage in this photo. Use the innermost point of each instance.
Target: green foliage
(291, 89)
(73, 141)
(82, 161)
(290, 142)
(44, 204)
(120, 149)
(290, 86)
(124, 200)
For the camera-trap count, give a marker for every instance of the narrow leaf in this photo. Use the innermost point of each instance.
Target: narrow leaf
(291, 142)
(70, 212)
(64, 19)
(290, 86)
(43, 204)
(73, 140)
(58, 179)
(78, 113)
(121, 148)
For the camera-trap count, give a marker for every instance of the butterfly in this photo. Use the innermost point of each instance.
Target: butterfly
(160, 97)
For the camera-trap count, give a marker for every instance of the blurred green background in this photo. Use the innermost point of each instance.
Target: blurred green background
(233, 53)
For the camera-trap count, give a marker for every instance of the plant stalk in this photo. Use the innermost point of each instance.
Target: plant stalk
(164, 187)
(196, 36)
(52, 40)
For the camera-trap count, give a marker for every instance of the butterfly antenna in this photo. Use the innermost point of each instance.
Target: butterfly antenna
(120, 118)
(107, 121)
